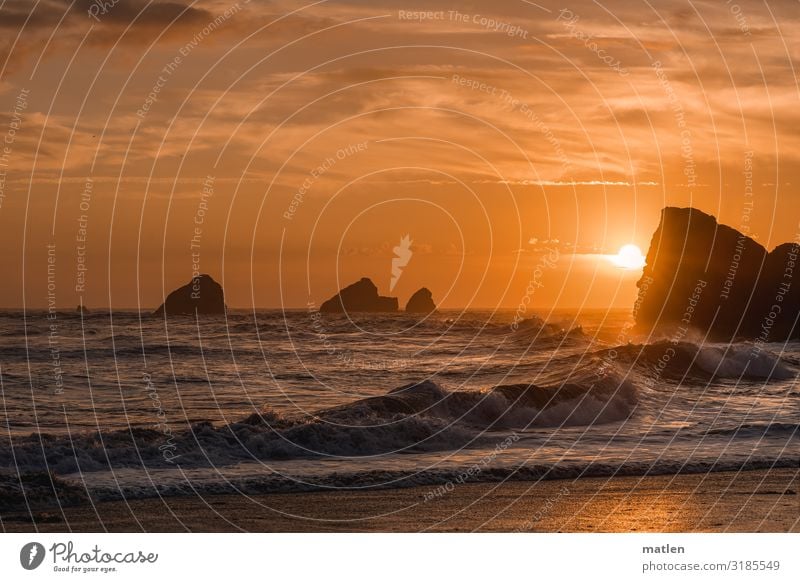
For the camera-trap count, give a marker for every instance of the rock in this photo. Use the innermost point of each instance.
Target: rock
(716, 280)
(421, 302)
(360, 296)
(82, 310)
(202, 295)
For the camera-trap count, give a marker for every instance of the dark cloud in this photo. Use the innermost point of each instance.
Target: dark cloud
(26, 15)
(16, 14)
(59, 26)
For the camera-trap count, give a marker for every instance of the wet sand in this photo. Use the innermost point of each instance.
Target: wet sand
(752, 501)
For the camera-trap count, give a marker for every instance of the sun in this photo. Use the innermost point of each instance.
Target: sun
(629, 257)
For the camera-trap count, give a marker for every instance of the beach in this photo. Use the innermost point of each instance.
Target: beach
(748, 501)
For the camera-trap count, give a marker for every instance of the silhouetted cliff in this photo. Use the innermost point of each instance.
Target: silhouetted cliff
(360, 296)
(421, 302)
(202, 295)
(710, 277)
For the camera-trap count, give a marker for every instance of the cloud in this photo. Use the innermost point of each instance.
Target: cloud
(58, 27)
(26, 16)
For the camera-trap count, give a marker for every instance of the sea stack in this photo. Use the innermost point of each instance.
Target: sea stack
(714, 279)
(421, 302)
(361, 296)
(202, 295)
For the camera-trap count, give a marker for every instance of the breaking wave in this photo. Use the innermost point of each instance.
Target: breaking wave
(687, 361)
(417, 417)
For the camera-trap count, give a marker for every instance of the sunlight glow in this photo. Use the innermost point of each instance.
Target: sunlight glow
(629, 257)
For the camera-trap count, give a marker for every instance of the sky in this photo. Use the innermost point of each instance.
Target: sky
(286, 148)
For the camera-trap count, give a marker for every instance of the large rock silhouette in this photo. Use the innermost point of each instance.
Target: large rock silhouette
(710, 277)
(360, 296)
(421, 302)
(202, 295)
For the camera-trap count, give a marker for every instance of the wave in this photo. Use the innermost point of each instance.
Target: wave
(417, 417)
(37, 490)
(504, 406)
(768, 429)
(535, 329)
(74, 350)
(743, 361)
(439, 481)
(688, 361)
(41, 490)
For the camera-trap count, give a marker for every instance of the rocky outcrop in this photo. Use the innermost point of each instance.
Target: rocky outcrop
(421, 302)
(202, 295)
(360, 296)
(714, 279)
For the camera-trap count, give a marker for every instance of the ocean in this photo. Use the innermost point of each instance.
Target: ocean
(124, 404)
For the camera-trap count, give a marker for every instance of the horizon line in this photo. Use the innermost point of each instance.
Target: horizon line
(279, 308)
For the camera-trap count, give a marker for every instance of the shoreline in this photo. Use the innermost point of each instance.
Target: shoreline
(763, 500)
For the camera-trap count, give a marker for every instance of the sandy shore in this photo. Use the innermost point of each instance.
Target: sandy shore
(753, 501)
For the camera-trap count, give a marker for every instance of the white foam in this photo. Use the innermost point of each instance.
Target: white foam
(742, 361)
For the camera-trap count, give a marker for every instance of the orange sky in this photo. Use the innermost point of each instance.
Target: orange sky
(491, 133)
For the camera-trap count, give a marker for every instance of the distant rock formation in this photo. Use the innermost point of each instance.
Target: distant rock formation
(202, 295)
(712, 278)
(360, 296)
(82, 310)
(421, 302)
